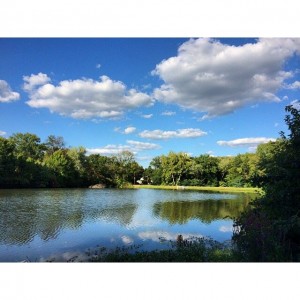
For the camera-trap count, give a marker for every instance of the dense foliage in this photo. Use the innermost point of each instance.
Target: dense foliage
(204, 170)
(27, 162)
(270, 230)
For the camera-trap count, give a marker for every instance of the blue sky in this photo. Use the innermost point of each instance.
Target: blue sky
(149, 95)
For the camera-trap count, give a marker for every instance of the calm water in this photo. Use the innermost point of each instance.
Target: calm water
(58, 224)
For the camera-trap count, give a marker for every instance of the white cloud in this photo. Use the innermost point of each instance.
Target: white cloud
(132, 146)
(84, 98)
(168, 113)
(215, 78)
(147, 116)
(6, 94)
(246, 142)
(293, 86)
(142, 146)
(109, 149)
(129, 130)
(180, 133)
(98, 66)
(127, 239)
(2, 133)
(33, 81)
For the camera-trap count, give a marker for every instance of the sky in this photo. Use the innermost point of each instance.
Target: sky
(216, 96)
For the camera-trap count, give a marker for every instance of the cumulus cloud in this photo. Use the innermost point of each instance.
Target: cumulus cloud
(132, 146)
(129, 130)
(6, 94)
(215, 78)
(84, 98)
(2, 133)
(246, 142)
(164, 135)
(33, 81)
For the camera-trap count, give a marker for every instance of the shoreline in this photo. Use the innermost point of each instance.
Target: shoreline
(219, 189)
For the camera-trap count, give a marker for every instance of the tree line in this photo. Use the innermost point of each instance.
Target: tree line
(203, 170)
(25, 161)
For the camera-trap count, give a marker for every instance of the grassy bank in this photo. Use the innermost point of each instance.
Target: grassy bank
(220, 189)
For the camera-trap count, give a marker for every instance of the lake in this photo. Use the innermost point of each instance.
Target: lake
(69, 224)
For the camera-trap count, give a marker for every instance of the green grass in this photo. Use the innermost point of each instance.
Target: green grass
(220, 189)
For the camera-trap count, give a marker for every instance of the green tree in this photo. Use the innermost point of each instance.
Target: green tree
(122, 167)
(54, 143)
(99, 170)
(61, 168)
(29, 152)
(242, 170)
(27, 146)
(205, 171)
(174, 167)
(270, 231)
(153, 174)
(7, 163)
(79, 159)
(224, 166)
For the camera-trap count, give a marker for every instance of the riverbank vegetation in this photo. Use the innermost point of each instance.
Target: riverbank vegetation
(191, 250)
(270, 229)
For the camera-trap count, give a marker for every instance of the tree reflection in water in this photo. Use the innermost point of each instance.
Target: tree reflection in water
(207, 211)
(48, 212)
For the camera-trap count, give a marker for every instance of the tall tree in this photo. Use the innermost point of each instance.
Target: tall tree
(205, 169)
(7, 163)
(61, 168)
(175, 166)
(54, 143)
(270, 231)
(27, 146)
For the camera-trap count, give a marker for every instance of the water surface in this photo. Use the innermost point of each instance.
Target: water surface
(58, 224)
